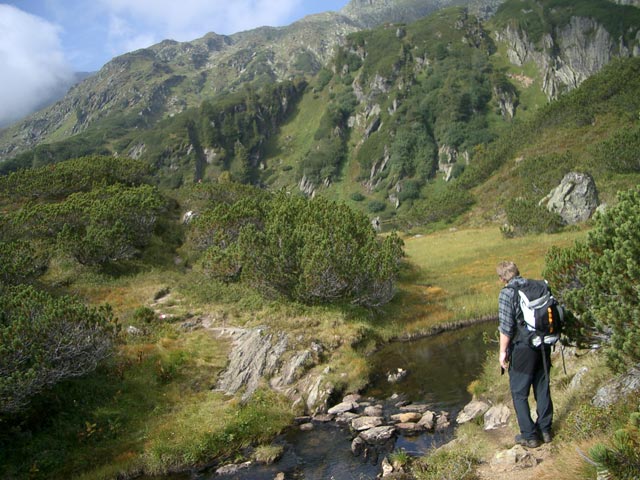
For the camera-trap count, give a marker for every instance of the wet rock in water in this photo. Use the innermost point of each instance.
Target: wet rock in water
(365, 423)
(357, 446)
(279, 476)
(407, 417)
(342, 408)
(387, 468)
(414, 407)
(373, 411)
(346, 417)
(472, 410)
(378, 435)
(409, 428)
(301, 420)
(233, 468)
(428, 420)
(306, 427)
(323, 417)
(496, 417)
(443, 421)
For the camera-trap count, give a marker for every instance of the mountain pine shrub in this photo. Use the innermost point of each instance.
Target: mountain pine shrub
(46, 339)
(598, 280)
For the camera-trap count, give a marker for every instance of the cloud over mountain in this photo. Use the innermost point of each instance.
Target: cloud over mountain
(33, 69)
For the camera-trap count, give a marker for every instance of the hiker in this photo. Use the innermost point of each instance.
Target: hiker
(528, 366)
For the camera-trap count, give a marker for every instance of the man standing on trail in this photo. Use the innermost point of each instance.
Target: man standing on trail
(527, 367)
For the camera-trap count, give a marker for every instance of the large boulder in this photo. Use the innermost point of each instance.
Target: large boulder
(575, 199)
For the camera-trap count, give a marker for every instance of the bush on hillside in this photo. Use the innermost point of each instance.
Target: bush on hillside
(621, 458)
(44, 340)
(318, 251)
(312, 251)
(57, 181)
(20, 262)
(107, 224)
(440, 203)
(598, 279)
(525, 216)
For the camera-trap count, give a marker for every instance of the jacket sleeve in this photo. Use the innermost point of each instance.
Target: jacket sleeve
(506, 313)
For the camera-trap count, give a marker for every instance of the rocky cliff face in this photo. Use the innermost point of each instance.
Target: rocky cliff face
(570, 53)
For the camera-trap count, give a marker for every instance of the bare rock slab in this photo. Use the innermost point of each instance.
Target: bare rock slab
(378, 435)
(472, 410)
(497, 417)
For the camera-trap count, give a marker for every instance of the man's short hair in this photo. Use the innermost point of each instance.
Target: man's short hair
(507, 270)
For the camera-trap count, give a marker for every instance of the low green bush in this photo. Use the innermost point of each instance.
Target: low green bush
(525, 216)
(46, 339)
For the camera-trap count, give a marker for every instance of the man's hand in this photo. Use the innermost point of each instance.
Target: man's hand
(504, 361)
(505, 341)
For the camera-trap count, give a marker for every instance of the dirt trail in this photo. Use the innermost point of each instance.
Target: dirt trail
(528, 468)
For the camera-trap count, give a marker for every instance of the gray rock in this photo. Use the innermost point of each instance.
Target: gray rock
(373, 411)
(342, 408)
(618, 388)
(323, 417)
(428, 420)
(352, 398)
(357, 446)
(256, 354)
(232, 469)
(517, 456)
(472, 410)
(346, 417)
(306, 427)
(365, 423)
(293, 369)
(414, 407)
(496, 417)
(131, 330)
(378, 435)
(576, 381)
(442, 421)
(575, 199)
(407, 417)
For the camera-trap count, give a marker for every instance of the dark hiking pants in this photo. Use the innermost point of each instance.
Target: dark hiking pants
(527, 371)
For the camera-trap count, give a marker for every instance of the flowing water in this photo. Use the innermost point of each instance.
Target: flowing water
(439, 371)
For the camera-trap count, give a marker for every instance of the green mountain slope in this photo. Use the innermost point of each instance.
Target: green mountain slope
(399, 121)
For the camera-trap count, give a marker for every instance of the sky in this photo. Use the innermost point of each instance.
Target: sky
(43, 42)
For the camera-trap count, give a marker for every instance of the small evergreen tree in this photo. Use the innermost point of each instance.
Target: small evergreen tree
(599, 279)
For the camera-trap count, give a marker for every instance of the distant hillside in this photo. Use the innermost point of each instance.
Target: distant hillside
(137, 89)
(405, 121)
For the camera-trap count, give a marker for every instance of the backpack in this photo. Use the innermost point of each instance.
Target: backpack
(539, 315)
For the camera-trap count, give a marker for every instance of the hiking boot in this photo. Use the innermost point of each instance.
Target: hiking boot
(547, 437)
(530, 443)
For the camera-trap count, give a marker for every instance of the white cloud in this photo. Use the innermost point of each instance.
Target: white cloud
(33, 68)
(134, 23)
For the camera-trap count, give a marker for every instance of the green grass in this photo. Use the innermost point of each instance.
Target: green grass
(284, 151)
(451, 275)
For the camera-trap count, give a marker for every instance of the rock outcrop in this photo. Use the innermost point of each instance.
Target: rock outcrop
(570, 54)
(575, 199)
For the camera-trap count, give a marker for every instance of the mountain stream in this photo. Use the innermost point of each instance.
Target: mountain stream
(439, 369)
